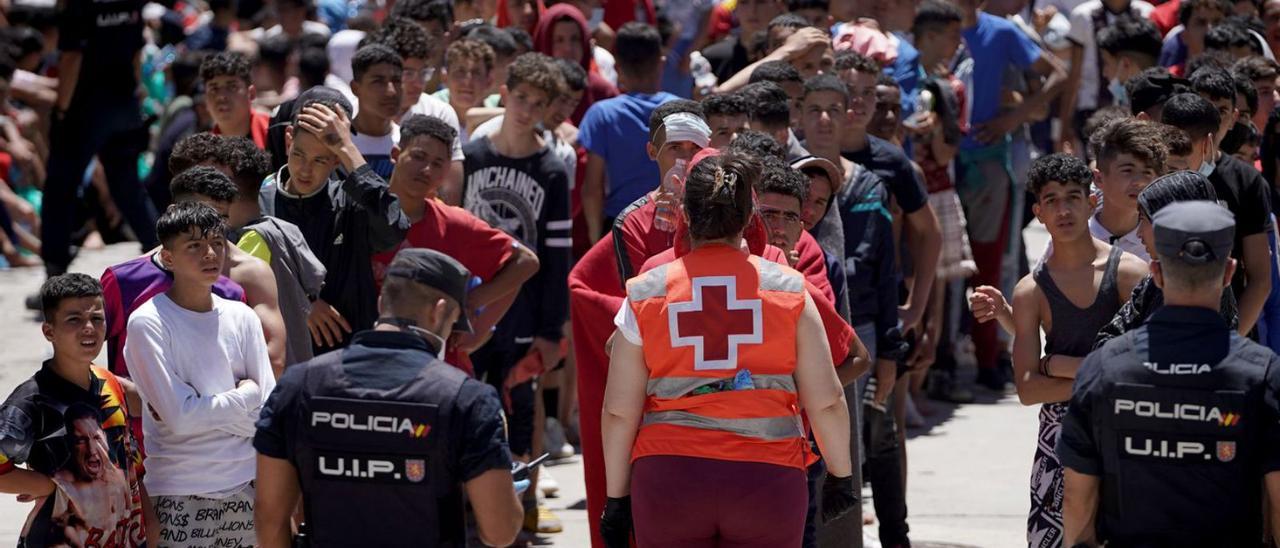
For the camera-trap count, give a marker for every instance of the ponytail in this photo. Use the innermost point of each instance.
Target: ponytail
(718, 196)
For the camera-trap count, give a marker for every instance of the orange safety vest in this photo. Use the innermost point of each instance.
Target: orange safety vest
(704, 319)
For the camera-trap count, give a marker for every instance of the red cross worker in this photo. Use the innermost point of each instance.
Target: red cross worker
(715, 354)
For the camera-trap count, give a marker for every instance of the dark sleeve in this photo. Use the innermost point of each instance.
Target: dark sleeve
(907, 188)
(886, 289)
(1132, 313)
(387, 222)
(483, 429)
(1256, 201)
(839, 285)
(554, 249)
(272, 438)
(16, 437)
(1271, 423)
(75, 23)
(1077, 447)
(947, 106)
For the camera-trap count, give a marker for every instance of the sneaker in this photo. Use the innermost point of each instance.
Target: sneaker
(542, 521)
(547, 484)
(553, 439)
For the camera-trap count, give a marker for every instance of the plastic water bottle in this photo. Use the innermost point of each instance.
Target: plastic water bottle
(668, 197)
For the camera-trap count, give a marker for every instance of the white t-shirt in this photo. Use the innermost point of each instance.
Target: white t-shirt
(376, 149)
(187, 366)
(1130, 242)
(1083, 34)
(628, 326)
(431, 106)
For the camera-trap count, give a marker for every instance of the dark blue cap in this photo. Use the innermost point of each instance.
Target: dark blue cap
(1194, 233)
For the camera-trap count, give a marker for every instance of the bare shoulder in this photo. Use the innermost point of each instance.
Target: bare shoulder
(251, 273)
(1026, 292)
(1130, 272)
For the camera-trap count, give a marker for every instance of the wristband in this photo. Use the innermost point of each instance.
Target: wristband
(1044, 365)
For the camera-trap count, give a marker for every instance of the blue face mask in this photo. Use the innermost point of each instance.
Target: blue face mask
(1116, 89)
(1206, 168)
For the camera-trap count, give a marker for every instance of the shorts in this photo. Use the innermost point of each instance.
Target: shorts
(193, 521)
(956, 260)
(492, 363)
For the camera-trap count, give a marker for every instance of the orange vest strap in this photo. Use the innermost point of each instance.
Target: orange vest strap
(677, 387)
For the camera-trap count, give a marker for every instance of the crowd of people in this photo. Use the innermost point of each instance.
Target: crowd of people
(400, 249)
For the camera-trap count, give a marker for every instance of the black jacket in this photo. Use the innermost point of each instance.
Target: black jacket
(1145, 300)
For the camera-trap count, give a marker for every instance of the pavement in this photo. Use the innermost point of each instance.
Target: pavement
(968, 469)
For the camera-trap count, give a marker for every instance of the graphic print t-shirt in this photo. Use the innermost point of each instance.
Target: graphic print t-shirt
(376, 150)
(528, 198)
(81, 440)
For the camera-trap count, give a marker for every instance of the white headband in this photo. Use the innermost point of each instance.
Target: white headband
(684, 126)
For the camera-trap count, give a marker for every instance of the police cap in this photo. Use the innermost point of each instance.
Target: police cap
(1194, 233)
(437, 271)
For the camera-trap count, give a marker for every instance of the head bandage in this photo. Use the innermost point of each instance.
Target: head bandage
(683, 126)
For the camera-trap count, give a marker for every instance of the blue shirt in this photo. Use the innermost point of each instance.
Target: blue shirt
(994, 44)
(905, 70)
(617, 129)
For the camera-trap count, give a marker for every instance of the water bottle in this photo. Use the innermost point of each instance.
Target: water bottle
(669, 192)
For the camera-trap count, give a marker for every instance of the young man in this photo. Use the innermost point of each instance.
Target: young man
(1087, 87)
(825, 116)
(786, 76)
(1128, 47)
(68, 426)
(1241, 188)
(889, 162)
(299, 274)
(983, 182)
(1262, 72)
(1131, 153)
(733, 53)
(415, 47)
(516, 183)
(209, 185)
(726, 115)
(502, 264)
(1196, 18)
(770, 111)
(613, 129)
(201, 366)
(378, 84)
(1081, 269)
(345, 221)
(813, 61)
(228, 96)
(467, 76)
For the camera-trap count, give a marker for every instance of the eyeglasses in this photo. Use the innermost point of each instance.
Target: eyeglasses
(778, 216)
(420, 75)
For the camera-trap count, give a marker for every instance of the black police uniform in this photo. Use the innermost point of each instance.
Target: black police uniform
(1179, 419)
(383, 434)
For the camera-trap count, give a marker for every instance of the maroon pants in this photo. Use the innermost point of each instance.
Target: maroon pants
(687, 502)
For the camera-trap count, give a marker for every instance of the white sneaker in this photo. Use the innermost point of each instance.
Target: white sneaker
(547, 483)
(554, 440)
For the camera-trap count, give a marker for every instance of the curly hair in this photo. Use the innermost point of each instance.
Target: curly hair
(718, 196)
(1141, 139)
(193, 150)
(418, 125)
(249, 163)
(468, 50)
(203, 181)
(781, 179)
(375, 54)
(226, 63)
(1061, 168)
(538, 71)
(403, 35)
(758, 145)
(725, 104)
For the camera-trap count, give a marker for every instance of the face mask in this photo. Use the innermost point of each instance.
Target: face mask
(1116, 89)
(1206, 168)
(430, 337)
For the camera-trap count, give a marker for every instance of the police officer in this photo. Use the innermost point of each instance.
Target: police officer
(382, 438)
(1171, 427)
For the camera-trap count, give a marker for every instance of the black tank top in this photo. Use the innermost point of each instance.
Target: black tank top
(1074, 329)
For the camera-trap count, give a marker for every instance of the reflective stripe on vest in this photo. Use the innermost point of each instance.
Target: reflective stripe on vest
(768, 429)
(707, 319)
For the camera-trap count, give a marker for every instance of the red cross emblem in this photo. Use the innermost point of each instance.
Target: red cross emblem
(715, 322)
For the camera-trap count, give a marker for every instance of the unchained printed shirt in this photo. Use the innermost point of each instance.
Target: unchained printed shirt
(528, 198)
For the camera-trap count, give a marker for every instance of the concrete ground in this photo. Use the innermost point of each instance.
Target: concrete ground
(968, 469)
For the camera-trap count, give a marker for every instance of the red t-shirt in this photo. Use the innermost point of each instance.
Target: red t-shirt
(258, 124)
(457, 233)
(1165, 16)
